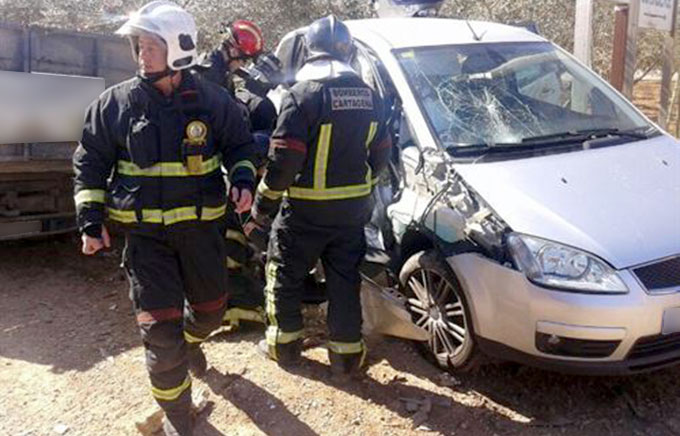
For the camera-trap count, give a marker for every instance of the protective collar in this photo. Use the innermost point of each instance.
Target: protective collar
(324, 69)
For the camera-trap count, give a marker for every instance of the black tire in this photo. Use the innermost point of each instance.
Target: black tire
(437, 303)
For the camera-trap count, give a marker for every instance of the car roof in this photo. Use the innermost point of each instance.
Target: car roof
(401, 32)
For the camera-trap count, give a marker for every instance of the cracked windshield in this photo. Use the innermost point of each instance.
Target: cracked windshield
(512, 94)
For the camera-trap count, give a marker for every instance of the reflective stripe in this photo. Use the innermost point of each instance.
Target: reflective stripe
(213, 213)
(375, 180)
(340, 193)
(267, 192)
(320, 192)
(235, 235)
(168, 169)
(173, 393)
(276, 336)
(90, 195)
(191, 339)
(236, 314)
(346, 347)
(243, 164)
(167, 217)
(231, 263)
(372, 130)
(322, 152)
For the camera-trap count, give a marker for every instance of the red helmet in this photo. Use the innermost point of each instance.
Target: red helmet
(246, 37)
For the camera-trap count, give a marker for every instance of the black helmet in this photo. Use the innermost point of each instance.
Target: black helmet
(328, 37)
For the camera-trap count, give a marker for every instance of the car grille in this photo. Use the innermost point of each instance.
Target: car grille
(651, 346)
(660, 276)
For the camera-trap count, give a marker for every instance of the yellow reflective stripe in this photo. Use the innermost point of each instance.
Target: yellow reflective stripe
(231, 263)
(322, 152)
(213, 213)
(375, 180)
(238, 314)
(191, 339)
(168, 169)
(372, 130)
(235, 235)
(178, 215)
(339, 193)
(90, 195)
(267, 192)
(173, 393)
(276, 336)
(244, 164)
(168, 217)
(123, 216)
(346, 347)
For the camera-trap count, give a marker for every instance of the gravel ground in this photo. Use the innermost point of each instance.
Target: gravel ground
(71, 363)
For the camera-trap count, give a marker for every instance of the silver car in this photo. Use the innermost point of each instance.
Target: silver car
(531, 213)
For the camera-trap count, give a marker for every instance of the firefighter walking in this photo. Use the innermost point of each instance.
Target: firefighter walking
(162, 138)
(329, 144)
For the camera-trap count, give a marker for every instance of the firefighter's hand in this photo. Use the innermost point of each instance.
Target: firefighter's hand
(250, 227)
(91, 245)
(242, 198)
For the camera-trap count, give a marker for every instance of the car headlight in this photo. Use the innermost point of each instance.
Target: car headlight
(559, 266)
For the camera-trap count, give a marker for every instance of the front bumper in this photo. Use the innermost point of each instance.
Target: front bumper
(605, 334)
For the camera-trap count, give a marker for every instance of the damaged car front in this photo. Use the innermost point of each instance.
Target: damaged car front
(554, 202)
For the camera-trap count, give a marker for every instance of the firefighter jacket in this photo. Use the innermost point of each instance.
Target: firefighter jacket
(328, 148)
(259, 110)
(157, 161)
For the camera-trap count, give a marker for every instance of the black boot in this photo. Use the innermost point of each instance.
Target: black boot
(286, 355)
(344, 367)
(198, 365)
(178, 424)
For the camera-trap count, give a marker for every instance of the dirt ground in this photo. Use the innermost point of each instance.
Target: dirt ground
(647, 95)
(71, 363)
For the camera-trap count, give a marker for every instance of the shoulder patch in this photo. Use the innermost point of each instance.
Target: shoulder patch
(343, 99)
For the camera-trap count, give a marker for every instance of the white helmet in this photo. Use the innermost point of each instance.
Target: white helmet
(171, 23)
(406, 8)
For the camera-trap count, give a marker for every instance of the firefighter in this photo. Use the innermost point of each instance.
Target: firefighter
(329, 144)
(226, 66)
(162, 137)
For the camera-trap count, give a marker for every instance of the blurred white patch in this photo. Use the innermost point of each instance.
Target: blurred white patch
(38, 107)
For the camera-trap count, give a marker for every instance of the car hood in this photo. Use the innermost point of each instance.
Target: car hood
(621, 203)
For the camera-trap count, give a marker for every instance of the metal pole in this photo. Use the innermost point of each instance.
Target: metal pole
(631, 48)
(668, 53)
(583, 31)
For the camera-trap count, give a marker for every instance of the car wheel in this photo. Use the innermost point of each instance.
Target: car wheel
(437, 303)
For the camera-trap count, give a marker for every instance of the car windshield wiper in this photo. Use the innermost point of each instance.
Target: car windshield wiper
(467, 149)
(580, 135)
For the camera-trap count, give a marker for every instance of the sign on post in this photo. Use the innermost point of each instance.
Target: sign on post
(657, 14)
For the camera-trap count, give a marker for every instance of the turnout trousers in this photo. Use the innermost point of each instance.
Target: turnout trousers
(294, 249)
(178, 287)
(246, 296)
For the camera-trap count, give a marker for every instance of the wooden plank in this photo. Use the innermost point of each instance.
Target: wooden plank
(631, 48)
(583, 31)
(36, 166)
(618, 66)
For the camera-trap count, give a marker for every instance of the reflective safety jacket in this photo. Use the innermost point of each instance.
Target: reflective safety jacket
(329, 146)
(149, 161)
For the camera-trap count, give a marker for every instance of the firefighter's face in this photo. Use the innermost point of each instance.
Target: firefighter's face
(151, 55)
